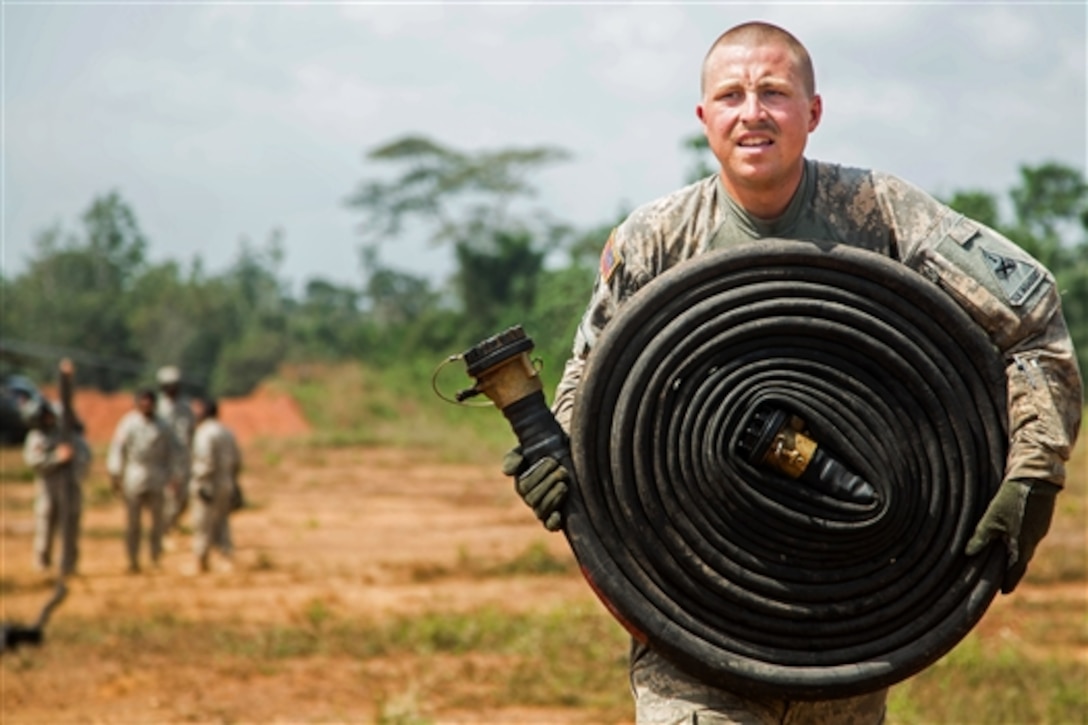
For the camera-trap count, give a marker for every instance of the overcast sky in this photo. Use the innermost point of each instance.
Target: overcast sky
(218, 121)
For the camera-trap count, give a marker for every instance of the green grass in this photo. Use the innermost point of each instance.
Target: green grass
(350, 405)
(572, 657)
(535, 560)
(976, 683)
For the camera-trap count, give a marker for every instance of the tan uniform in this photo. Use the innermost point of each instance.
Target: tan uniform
(215, 465)
(179, 417)
(145, 456)
(58, 501)
(1003, 289)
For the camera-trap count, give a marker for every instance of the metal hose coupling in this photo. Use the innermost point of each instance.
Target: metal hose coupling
(506, 375)
(775, 439)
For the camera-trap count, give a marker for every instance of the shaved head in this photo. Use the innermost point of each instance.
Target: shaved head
(760, 33)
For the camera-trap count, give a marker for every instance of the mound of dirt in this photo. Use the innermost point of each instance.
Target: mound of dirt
(266, 413)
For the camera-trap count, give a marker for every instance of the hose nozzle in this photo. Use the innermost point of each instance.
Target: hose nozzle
(505, 374)
(777, 440)
(502, 368)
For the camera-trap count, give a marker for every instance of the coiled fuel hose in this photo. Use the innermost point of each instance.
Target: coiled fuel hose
(744, 576)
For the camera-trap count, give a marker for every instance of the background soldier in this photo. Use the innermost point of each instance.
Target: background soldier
(60, 467)
(144, 458)
(173, 408)
(758, 107)
(216, 462)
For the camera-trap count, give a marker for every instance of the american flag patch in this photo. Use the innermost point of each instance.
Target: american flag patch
(610, 257)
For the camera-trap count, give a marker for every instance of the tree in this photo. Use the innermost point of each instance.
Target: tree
(473, 201)
(72, 295)
(702, 164)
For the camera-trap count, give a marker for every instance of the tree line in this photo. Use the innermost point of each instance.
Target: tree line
(91, 292)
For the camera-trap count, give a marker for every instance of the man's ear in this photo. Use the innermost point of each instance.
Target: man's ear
(816, 112)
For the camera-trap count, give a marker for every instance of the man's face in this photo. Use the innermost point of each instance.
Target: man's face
(757, 116)
(146, 405)
(199, 412)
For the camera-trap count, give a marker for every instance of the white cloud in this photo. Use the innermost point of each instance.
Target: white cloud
(390, 21)
(639, 54)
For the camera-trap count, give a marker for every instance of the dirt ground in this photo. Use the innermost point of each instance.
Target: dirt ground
(351, 528)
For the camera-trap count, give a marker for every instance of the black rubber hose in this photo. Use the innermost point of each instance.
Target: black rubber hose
(746, 578)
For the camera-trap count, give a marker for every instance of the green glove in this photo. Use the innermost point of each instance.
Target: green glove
(1019, 515)
(542, 485)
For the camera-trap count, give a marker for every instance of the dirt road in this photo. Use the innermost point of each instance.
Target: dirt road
(353, 533)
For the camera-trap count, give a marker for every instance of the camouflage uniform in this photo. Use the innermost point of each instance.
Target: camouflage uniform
(1004, 290)
(145, 456)
(58, 503)
(177, 414)
(216, 462)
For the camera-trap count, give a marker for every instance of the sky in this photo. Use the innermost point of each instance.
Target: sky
(219, 122)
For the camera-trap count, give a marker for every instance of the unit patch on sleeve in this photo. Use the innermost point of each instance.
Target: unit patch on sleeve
(610, 257)
(1016, 278)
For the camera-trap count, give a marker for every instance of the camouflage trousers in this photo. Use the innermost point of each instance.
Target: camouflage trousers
(666, 696)
(211, 525)
(58, 507)
(135, 505)
(175, 504)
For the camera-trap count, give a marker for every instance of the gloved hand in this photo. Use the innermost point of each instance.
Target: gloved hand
(543, 485)
(1019, 515)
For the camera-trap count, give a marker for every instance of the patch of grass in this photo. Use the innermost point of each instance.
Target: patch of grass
(979, 684)
(317, 613)
(535, 560)
(349, 404)
(569, 657)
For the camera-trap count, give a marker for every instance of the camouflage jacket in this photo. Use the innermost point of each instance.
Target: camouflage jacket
(216, 459)
(144, 454)
(39, 452)
(1003, 289)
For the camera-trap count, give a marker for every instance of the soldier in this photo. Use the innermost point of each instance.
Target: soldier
(758, 106)
(214, 484)
(60, 468)
(144, 458)
(173, 408)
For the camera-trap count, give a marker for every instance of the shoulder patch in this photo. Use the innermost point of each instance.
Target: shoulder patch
(610, 257)
(1016, 278)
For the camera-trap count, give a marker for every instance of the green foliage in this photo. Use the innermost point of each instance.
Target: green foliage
(459, 196)
(74, 291)
(702, 161)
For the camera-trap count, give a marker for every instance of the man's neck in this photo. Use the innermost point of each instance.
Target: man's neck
(765, 203)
